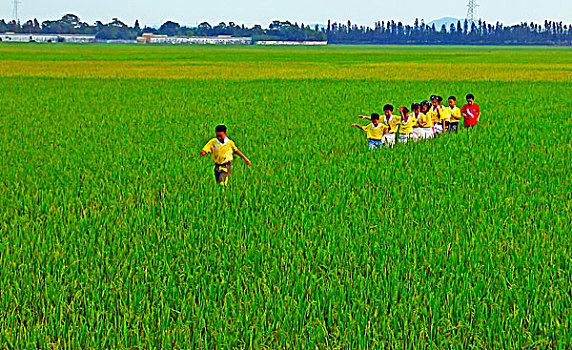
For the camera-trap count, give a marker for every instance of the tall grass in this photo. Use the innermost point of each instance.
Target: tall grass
(114, 235)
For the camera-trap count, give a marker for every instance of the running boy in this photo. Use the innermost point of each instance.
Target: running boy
(471, 111)
(374, 131)
(222, 149)
(455, 115)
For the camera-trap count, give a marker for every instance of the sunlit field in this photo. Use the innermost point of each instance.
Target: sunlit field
(114, 234)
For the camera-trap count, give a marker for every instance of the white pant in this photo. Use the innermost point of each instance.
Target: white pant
(403, 138)
(417, 134)
(427, 133)
(438, 128)
(388, 140)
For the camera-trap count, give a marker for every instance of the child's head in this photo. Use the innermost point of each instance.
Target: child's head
(415, 107)
(404, 111)
(452, 101)
(220, 132)
(436, 100)
(425, 106)
(388, 110)
(470, 99)
(375, 119)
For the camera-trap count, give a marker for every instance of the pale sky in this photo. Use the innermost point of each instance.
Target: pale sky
(249, 12)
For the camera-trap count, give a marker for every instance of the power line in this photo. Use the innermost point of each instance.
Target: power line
(15, 7)
(472, 11)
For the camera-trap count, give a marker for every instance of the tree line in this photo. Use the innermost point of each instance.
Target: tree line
(384, 32)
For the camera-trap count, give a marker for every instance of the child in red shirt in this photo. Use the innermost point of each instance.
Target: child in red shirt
(471, 112)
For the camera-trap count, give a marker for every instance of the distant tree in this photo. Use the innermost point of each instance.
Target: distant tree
(3, 26)
(116, 30)
(13, 26)
(170, 28)
(204, 29)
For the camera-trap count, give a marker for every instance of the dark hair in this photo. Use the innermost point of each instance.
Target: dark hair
(388, 108)
(433, 97)
(470, 97)
(452, 98)
(439, 99)
(425, 103)
(404, 110)
(220, 128)
(374, 116)
(415, 106)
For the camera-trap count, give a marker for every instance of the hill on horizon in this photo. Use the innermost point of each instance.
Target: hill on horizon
(447, 21)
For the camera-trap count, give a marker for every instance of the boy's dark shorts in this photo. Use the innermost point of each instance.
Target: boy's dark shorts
(222, 172)
(453, 127)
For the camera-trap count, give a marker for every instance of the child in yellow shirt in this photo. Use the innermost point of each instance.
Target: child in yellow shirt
(374, 131)
(455, 115)
(389, 125)
(406, 125)
(439, 115)
(222, 149)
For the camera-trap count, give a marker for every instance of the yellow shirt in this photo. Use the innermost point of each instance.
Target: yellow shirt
(444, 114)
(222, 152)
(417, 119)
(433, 114)
(407, 125)
(392, 124)
(455, 114)
(374, 133)
(424, 118)
(438, 114)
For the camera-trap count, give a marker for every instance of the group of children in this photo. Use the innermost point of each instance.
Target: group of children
(424, 121)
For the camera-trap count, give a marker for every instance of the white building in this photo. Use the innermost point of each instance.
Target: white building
(184, 40)
(46, 38)
(292, 43)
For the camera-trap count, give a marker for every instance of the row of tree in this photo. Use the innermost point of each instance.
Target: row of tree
(463, 32)
(386, 32)
(116, 29)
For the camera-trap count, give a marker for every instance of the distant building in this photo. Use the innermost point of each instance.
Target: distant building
(292, 43)
(47, 38)
(149, 38)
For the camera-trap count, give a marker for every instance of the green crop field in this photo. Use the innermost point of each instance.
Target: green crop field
(113, 233)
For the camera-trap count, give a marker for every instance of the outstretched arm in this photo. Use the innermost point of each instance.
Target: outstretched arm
(203, 153)
(364, 117)
(357, 126)
(464, 112)
(248, 162)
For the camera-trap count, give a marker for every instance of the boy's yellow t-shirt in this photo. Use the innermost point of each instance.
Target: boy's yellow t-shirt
(374, 133)
(444, 114)
(455, 114)
(393, 123)
(439, 114)
(222, 152)
(407, 126)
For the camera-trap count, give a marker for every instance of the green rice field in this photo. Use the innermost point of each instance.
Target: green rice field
(114, 234)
